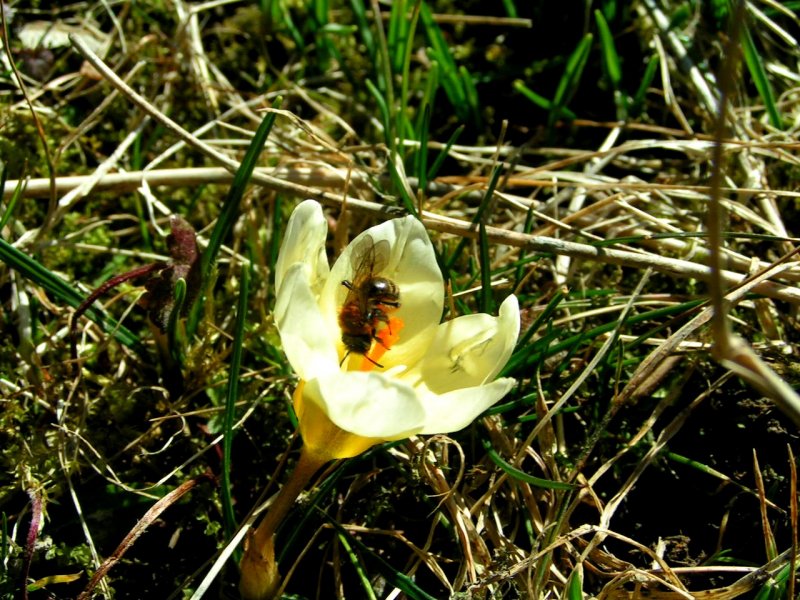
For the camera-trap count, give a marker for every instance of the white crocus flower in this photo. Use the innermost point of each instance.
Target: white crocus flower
(433, 378)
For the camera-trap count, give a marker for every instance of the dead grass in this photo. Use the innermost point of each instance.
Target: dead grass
(642, 452)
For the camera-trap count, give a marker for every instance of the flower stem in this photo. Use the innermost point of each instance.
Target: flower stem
(260, 578)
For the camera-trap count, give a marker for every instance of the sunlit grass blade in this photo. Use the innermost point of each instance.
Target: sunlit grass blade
(470, 93)
(611, 62)
(478, 218)
(403, 127)
(521, 475)
(574, 587)
(440, 52)
(360, 14)
(230, 212)
(421, 162)
(400, 185)
(545, 315)
(437, 163)
(775, 589)
(522, 260)
(637, 103)
(571, 78)
(569, 343)
(397, 35)
(510, 8)
(60, 289)
(543, 102)
(383, 108)
(428, 99)
(282, 16)
(361, 572)
(319, 22)
(755, 65)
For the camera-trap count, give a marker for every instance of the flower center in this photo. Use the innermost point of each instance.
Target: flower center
(385, 339)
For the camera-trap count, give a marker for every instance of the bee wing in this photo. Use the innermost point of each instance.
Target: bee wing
(381, 252)
(369, 258)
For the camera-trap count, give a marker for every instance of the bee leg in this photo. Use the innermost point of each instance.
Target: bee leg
(344, 358)
(373, 361)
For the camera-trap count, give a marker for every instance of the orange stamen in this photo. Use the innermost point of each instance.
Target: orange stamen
(387, 337)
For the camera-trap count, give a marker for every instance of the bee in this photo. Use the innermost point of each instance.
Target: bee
(370, 298)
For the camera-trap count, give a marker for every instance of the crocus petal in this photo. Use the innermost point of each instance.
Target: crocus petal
(322, 438)
(304, 242)
(310, 350)
(412, 266)
(470, 350)
(367, 404)
(457, 409)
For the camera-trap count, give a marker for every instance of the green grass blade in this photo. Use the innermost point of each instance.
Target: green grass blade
(574, 587)
(378, 565)
(12, 201)
(543, 102)
(384, 83)
(230, 212)
(440, 52)
(531, 355)
(471, 93)
(60, 289)
(421, 163)
(759, 74)
(403, 127)
(637, 104)
(383, 109)
(232, 396)
(548, 311)
(396, 37)
(478, 218)
(437, 163)
(520, 475)
(277, 234)
(523, 253)
(3, 542)
(400, 187)
(611, 61)
(360, 14)
(361, 572)
(570, 79)
(428, 97)
(510, 8)
(487, 297)
(174, 342)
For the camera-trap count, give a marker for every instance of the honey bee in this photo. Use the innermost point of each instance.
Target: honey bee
(370, 298)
